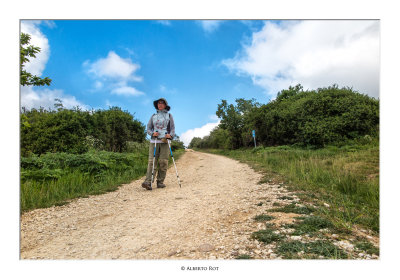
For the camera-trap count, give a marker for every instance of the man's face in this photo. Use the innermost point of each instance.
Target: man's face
(161, 105)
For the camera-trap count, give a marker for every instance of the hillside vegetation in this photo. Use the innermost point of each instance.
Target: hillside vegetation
(322, 143)
(311, 118)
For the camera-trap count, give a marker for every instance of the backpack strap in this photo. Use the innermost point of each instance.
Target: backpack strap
(169, 126)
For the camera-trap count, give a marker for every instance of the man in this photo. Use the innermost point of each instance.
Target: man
(160, 127)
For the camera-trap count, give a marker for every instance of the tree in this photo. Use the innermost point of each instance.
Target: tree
(115, 127)
(233, 118)
(26, 78)
(75, 131)
(315, 117)
(287, 93)
(177, 144)
(195, 142)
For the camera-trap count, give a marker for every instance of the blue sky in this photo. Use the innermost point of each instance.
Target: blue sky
(194, 63)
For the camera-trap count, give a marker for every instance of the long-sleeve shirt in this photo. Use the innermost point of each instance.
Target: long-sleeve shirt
(163, 122)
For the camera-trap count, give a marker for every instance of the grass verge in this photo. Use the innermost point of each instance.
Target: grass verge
(342, 180)
(54, 179)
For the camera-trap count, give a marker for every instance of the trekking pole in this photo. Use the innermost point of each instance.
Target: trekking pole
(154, 158)
(176, 170)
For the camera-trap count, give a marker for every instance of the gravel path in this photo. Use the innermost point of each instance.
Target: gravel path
(210, 217)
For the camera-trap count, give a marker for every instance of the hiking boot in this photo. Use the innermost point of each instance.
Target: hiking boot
(147, 186)
(160, 185)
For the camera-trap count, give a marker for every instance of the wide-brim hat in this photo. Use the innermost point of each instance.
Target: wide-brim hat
(167, 107)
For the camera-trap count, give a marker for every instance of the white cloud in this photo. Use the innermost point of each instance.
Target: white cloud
(114, 73)
(114, 67)
(210, 26)
(213, 117)
(35, 98)
(163, 89)
(313, 53)
(36, 65)
(98, 85)
(127, 91)
(164, 22)
(50, 24)
(205, 130)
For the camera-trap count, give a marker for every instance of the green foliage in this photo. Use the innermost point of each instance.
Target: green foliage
(219, 138)
(53, 165)
(262, 218)
(312, 118)
(345, 176)
(115, 127)
(311, 250)
(293, 208)
(137, 147)
(367, 247)
(310, 224)
(317, 117)
(194, 143)
(27, 78)
(55, 177)
(177, 144)
(41, 174)
(285, 197)
(244, 257)
(76, 131)
(266, 235)
(233, 120)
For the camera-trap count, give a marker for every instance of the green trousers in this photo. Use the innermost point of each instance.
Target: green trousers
(160, 164)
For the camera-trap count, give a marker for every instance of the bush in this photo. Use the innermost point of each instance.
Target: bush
(317, 117)
(53, 165)
(313, 118)
(76, 131)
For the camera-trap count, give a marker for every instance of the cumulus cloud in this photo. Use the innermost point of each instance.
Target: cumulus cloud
(36, 65)
(114, 73)
(210, 26)
(114, 67)
(205, 130)
(312, 53)
(127, 91)
(35, 98)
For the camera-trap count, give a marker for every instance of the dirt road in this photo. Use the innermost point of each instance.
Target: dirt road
(210, 217)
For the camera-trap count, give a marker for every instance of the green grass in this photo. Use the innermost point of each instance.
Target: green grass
(262, 218)
(345, 176)
(244, 257)
(310, 250)
(54, 179)
(285, 197)
(367, 247)
(266, 235)
(310, 225)
(293, 208)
